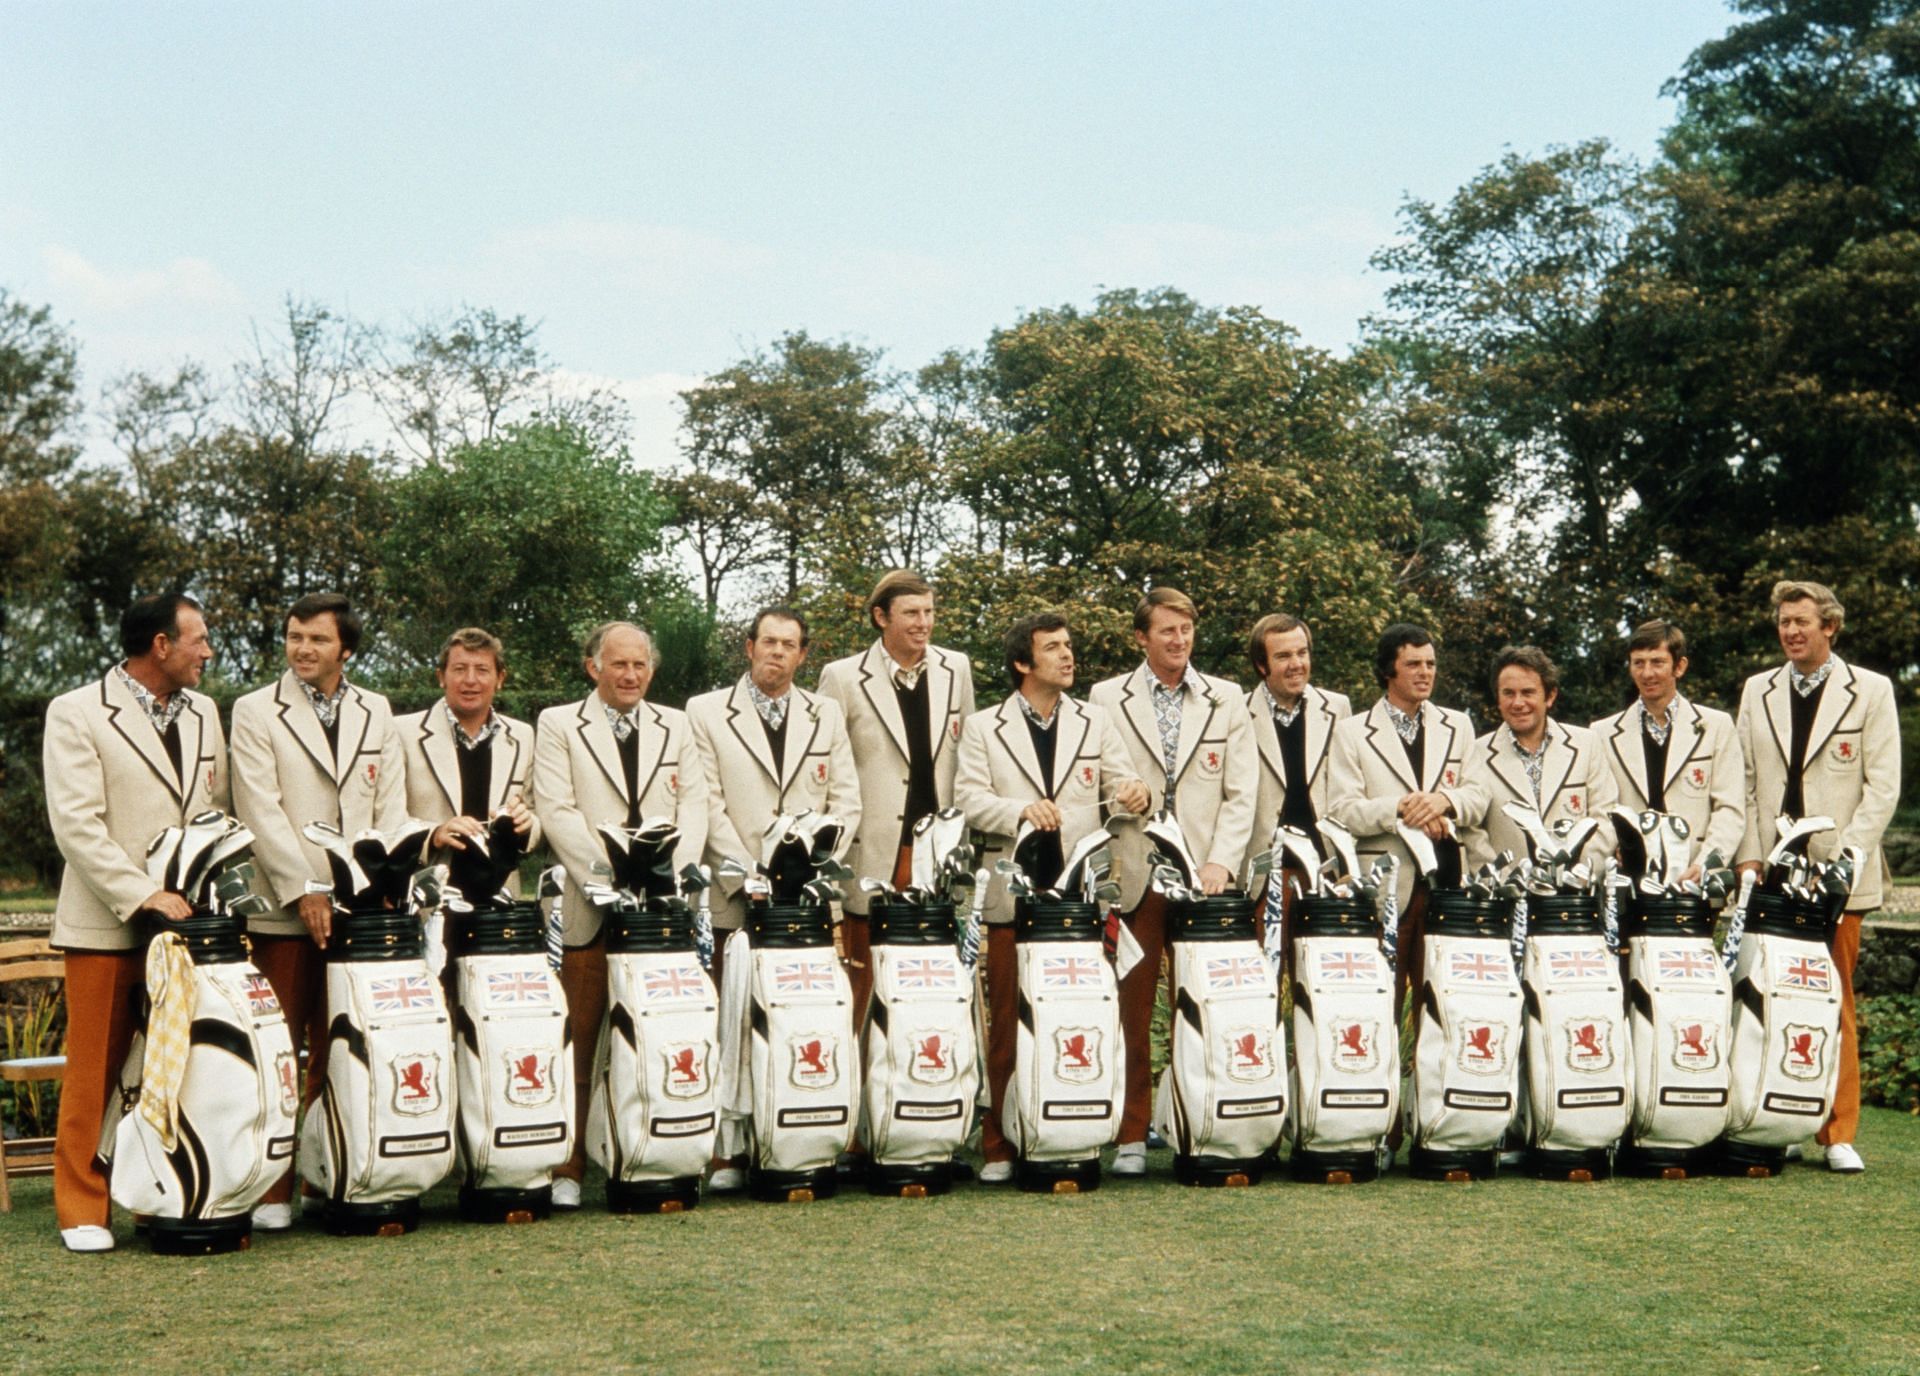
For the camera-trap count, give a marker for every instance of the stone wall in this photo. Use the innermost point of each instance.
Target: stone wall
(1889, 958)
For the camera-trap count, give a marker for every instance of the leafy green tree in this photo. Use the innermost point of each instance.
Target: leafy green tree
(39, 403)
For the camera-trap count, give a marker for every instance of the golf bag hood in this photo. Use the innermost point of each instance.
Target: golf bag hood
(799, 851)
(373, 870)
(480, 870)
(640, 859)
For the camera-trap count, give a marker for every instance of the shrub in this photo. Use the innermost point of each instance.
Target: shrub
(1890, 1051)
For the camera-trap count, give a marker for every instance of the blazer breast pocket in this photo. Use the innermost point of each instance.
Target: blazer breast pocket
(1211, 757)
(366, 770)
(815, 771)
(1083, 777)
(1843, 750)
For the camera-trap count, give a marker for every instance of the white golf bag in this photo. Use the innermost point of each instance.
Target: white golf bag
(1579, 1059)
(381, 1133)
(922, 1055)
(1679, 1009)
(1222, 1100)
(513, 1061)
(1467, 1050)
(1786, 1031)
(655, 1111)
(1346, 1041)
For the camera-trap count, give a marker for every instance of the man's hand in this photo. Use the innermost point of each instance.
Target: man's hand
(169, 905)
(1690, 876)
(1044, 815)
(452, 834)
(522, 816)
(1132, 796)
(1752, 867)
(316, 911)
(1423, 810)
(1215, 879)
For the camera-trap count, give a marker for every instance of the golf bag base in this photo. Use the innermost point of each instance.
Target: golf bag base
(908, 1180)
(483, 1204)
(674, 1196)
(1334, 1167)
(199, 1237)
(1057, 1177)
(793, 1187)
(1658, 1163)
(1749, 1161)
(390, 1218)
(1428, 1163)
(1217, 1171)
(1582, 1165)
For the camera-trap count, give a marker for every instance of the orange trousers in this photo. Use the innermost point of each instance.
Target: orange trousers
(583, 978)
(1845, 1120)
(297, 970)
(103, 992)
(1003, 1036)
(1137, 993)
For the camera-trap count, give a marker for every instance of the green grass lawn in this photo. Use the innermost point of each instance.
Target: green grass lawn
(1809, 1272)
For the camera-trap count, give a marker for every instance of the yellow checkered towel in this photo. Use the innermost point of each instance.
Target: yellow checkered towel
(170, 990)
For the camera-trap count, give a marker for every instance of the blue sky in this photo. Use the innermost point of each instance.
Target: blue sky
(668, 187)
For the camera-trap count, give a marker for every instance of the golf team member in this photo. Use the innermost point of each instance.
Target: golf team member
(310, 747)
(1403, 761)
(1822, 739)
(124, 758)
(1671, 755)
(767, 748)
(467, 762)
(904, 699)
(1530, 759)
(1043, 759)
(1191, 742)
(1293, 725)
(611, 757)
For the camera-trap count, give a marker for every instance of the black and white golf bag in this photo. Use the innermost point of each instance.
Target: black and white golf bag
(1222, 1101)
(1346, 1040)
(1470, 1023)
(1679, 1012)
(196, 1142)
(1579, 1058)
(381, 1134)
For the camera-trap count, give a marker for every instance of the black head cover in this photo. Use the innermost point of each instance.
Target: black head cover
(1450, 872)
(646, 870)
(1041, 858)
(481, 873)
(389, 865)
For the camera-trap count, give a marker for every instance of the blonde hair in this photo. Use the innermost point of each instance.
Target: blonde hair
(475, 639)
(1171, 598)
(1802, 590)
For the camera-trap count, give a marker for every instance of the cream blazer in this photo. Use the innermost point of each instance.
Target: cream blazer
(1706, 780)
(1324, 711)
(1575, 784)
(433, 769)
(1369, 774)
(111, 789)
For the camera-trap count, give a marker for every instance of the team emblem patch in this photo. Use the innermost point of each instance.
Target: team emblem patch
(1449, 778)
(1209, 761)
(953, 727)
(1576, 804)
(530, 1077)
(416, 1084)
(1805, 1053)
(1356, 1046)
(1696, 778)
(1483, 1048)
(1249, 1053)
(673, 782)
(1845, 751)
(287, 1078)
(933, 1060)
(1076, 1055)
(1813, 973)
(209, 778)
(685, 1072)
(1086, 775)
(815, 1064)
(1590, 1045)
(373, 772)
(820, 772)
(1696, 1045)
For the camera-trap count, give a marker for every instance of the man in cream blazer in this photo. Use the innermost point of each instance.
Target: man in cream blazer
(612, 757)
(1671, 755)
(904, 700)
(123, 759)
(1823, 740)
(1191, 743)
(310, 747)
(1003, 782)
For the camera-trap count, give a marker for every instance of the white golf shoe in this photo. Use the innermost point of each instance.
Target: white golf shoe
(566, 1193)
(1843, 1159)
(87, 1238)
(1130, 1158)
(996, 1172)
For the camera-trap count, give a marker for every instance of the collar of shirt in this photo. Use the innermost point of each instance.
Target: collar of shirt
(1406, 724)
(1039, 722)
(624, 724)
(326, 706)
(1286, 716)
(907, 678)
(161, 714)
(1535, 762)
(1803, 684)
(1189, 681)
(773, 711)
(1659, 728)
(487, 732)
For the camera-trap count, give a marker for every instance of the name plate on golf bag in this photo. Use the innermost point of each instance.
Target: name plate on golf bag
(236, 1098)
(382, 1130)
(1346, 1043)
(1467, 1053)
(1786, 1025)
(1223, 1097)
(922, 1058)
(1579, 1061)
(511, 1053)
(803, 1053)
(655, 1107)
(1679, 1008)
(1064, 1100)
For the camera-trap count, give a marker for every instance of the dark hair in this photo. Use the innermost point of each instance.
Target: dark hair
(1659, 635)
(895, 583)
(1019, 641)
(778, 614)
(1162, 597)
(1525, 657)
(345, 619)
(153, 615)
(1388, 653)
(1275, 623)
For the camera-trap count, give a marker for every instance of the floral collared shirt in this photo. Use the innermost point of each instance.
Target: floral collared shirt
(904, 676)
(487, 732)
(1284, 717)
(773, 711)
(1535, 763)
(1168, 704)
(161, 714)
(326, 706)
(1040, 723)
(1658, 728)
(1406, 725)
(624, 724)
(1805, 684)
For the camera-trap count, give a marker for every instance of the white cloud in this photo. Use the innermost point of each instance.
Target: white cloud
(625, 253)
(653, 400)
(183, 282)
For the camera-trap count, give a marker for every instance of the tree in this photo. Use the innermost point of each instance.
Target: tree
(39, 403)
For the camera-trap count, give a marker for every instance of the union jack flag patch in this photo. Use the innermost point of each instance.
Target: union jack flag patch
(1236, 972)
(1342, 966)
(925, 974)
(674, 982)
(1576, 964)
(802, 976)
(1068, 972)
(1474, 968)
(1682, 964)
(519, 988)
(402, 995)
(1806, 972)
